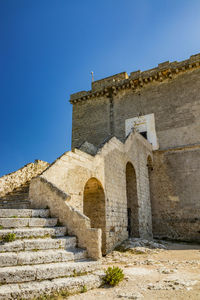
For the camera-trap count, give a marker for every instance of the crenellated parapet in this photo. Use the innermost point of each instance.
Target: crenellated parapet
(137, 79)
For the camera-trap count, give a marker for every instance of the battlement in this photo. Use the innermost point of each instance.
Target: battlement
(165, 70)
(109, 81)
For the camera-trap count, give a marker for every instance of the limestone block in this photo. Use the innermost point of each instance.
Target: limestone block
(9, 213)
(17, 274)
(34, 232)
(14, 222)
(42, 213)
(42, 222)
(39, 257)
(9, 292)
(8, 259)
(12, 246)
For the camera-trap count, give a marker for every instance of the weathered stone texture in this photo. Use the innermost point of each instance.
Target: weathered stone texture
(43, 193)
(16, 179)
(175, 194)
(170, 92)
(96, 187)
(175, 104)
(91, 121)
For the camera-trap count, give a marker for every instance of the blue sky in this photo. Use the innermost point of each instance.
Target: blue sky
(49, 47)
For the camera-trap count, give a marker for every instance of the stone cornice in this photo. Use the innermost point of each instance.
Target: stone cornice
(137, 79)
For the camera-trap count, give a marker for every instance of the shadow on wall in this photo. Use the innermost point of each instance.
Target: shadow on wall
(132, 201)
(94, 207)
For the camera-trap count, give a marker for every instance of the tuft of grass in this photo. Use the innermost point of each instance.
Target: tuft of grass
(75, 274)
(113, 276)
(84, 289)
(1, 227)
(10, 237)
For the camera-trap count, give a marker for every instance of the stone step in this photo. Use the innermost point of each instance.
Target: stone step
(34, 232)
(40, 257)
(40, 244)
(16, 205)
(19, 274)
(34, 289)
(24, 213)
(27, 222)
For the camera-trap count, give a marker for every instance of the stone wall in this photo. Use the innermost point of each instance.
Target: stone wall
(175, 104)
(101, 180)
(44, 194)
(170, 91)
(18, 178)
(90, 121)
(175, 194)
(116, 156)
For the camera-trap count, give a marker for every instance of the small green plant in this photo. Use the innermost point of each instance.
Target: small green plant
(113, 276)
(84, 289)
(10, 237)
(1, 227)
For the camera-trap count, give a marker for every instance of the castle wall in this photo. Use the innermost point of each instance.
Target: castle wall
(170, 92)
(175, 104)
(175, 194)
(135, 150)
(96, 186)
(90, 121)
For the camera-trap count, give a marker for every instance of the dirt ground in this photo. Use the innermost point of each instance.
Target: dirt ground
(153, 274)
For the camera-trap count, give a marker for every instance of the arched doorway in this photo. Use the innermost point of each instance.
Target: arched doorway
(94, 207)
(132, 201)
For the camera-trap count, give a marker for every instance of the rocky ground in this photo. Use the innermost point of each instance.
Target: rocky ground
(153, 270)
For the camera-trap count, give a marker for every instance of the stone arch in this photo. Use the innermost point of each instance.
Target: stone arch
(94, 207)
(132, 201)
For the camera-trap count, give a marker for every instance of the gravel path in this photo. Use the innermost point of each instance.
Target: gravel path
(156, 271)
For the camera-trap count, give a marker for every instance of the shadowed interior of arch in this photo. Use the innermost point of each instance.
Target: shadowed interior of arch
(94, 207)
(132, 201)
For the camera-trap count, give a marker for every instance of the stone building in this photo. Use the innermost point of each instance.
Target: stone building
(133, 170)
(163, 105)
(134, 167)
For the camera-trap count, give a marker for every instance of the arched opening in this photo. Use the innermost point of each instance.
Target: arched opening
(94, 207)
(132, 201)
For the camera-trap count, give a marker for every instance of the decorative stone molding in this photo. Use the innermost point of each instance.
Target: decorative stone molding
(137, 79)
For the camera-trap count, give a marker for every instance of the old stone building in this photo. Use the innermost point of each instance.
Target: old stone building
(133, 170)
(163, 104)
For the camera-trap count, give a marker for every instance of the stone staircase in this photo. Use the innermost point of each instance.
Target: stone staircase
(38, 258)
(18, 198)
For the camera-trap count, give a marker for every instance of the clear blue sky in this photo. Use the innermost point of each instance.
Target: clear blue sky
(49, 47)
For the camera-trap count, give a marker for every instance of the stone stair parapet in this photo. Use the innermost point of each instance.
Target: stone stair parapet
(43, 193)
